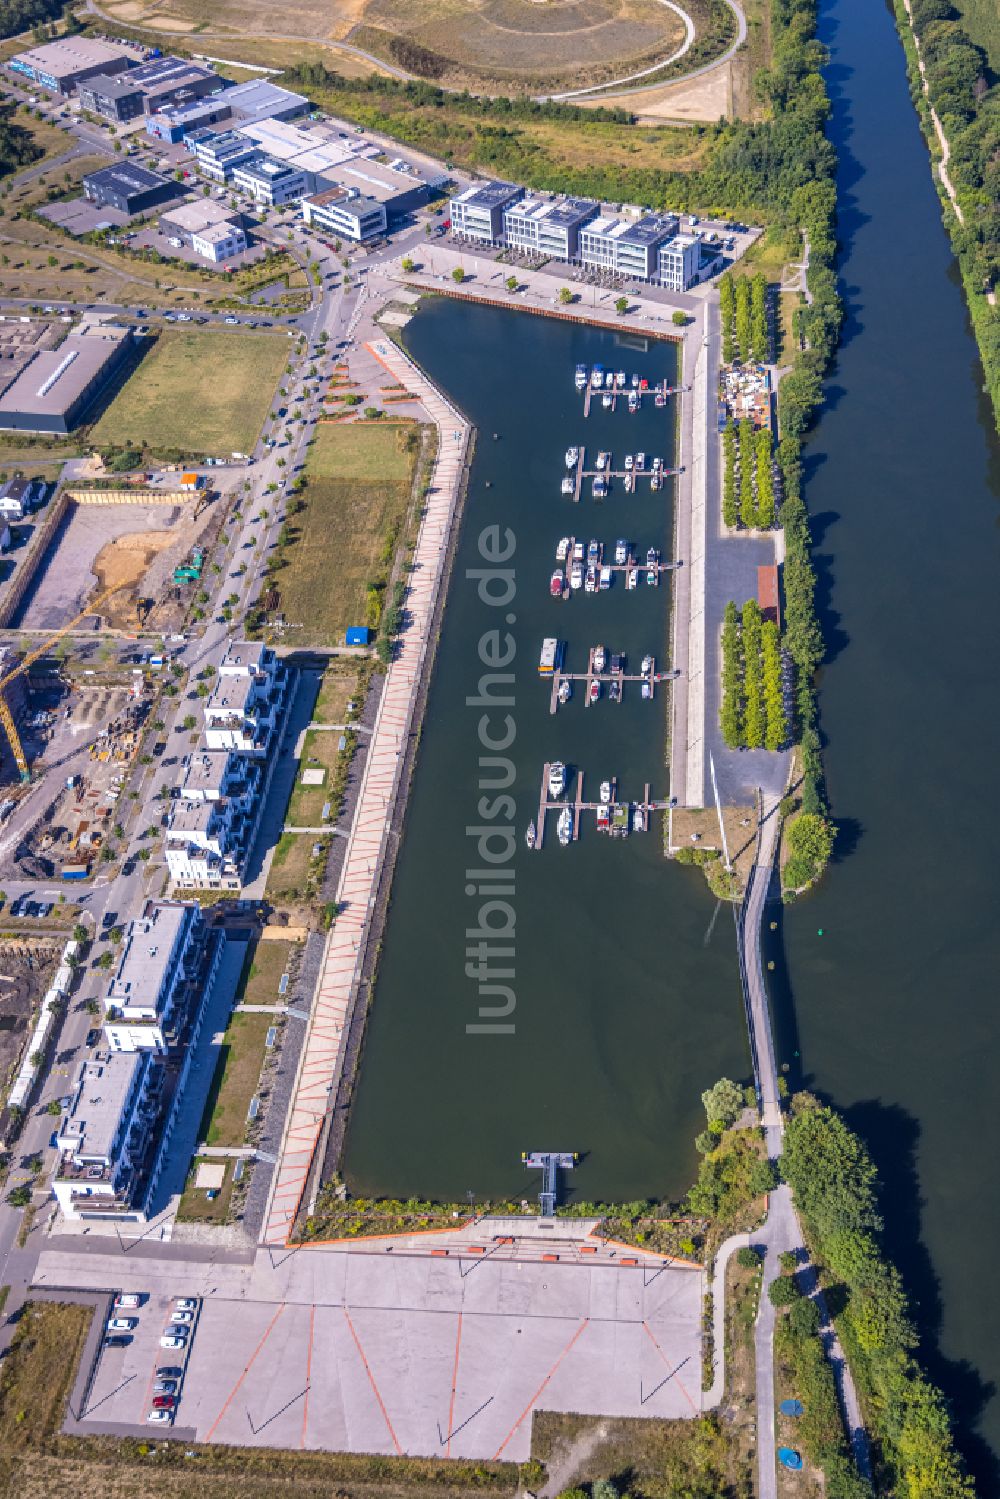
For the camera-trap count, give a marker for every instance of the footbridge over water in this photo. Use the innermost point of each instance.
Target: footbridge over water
(749, 924)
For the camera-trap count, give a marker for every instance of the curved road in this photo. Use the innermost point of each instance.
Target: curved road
(708, 67)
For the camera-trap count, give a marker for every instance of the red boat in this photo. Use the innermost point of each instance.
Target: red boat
(595, 691)
(557, 583)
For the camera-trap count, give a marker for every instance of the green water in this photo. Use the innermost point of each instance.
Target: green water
(627, 992)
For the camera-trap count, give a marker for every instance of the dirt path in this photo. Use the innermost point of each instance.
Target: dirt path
(563, 1471)
(938, 127)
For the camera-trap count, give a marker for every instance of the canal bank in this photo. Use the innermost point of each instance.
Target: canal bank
(885, 975)
(627, 990)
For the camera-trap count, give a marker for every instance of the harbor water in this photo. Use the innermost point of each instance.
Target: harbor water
(627, 998)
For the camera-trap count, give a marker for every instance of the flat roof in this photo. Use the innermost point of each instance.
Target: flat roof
(129, 179)
(219, 143)
(214, 234)
(348, 197)
(69, 54)
(112, 85)
(162, 71)
(267, 169)
(202, 214)
(189, 816)
(106, 1080)
(562, 212)
(230, 695)
(55, 378)
(259, 97)
(149, 944)
(206, 770)
(490, 194)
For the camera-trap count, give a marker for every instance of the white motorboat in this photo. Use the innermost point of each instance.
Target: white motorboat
(581, 376)
(605, 791)
(576, 575)
(530, 836)
(572, 457)
(565, 690)
(564, 827)
(602, 460)
(591, 584)
(597, 377)
(578, 550)
(600, 658)
(647, 665)
(562, 549)
(568, 487)
(621, 551)
(599, 488)
(640, 461)
(620, 379)
(647, 689)
(606, 400)
(604, 581)
(629, 460)
(638, 820)
(635, 382)
(632, 578)
(609, 380)
(557, 778)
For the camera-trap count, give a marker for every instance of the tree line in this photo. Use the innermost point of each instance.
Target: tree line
(835, 1186)
(19, 15)
(748, 477)
(752, 709)
(17, 145)
(743, 307)
(966, 96)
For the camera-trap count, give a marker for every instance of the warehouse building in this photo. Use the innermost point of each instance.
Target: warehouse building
(132, 189)
(113, 98)
(270, 183)
(336, 158)
(261, 100)
(57, 387)
(162, 84)
(478, 212)
(345, 213)
(209, 227)
(64, 64)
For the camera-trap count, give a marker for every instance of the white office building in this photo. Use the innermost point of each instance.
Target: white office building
(345, 213)
(167, 964)
(627, 247)
(270, 183)
(478, 212)
(548, 226)
(680, 262)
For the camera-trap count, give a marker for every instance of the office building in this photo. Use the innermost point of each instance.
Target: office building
(345, 213)
(131, 189)
(210, 228)
(680, 262)
(627, 247)
(63, 65)
(58, 386)
(114, 98)
(172, 125)
(270, 183)
(478, 212)
(218, 156)
(548, 226)
(168, 961)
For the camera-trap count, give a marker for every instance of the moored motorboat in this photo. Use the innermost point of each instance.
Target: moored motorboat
(562, 549)
(615, 690)
(605, 792)
(564, 827)
(599, 488)
(607, 399)
(595, 691)
(591, 584)
(638, 820)
(629, 461)
(557, 583)
(647, 689)
(635, 382)
(605, 578)
(565, 690)
(530, 836)
(557, 778)
(620, 379)
(572, 457)
(652, 578)
(603, 819)
(640, 461)
(633, 402)
(576, 575)
(597, 377)
(632, 578)
(593, 551)
(568, 487)
(647, 665)
(581, 376)
(652, 557)
(600, 658)
(602, 460)
(621, 551)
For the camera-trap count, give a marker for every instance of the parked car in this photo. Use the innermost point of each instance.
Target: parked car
(185, 1304)
(182, 1317)
(169, 1371)
(116, 1340)
(122, 1324)
(92, 1038)
(126, 1298)
(163, 1402)
(171, 1340)
(160, 1416)
(165, 1387)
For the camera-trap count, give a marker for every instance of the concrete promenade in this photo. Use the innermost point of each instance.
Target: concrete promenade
(321, 1060)
(687, 722)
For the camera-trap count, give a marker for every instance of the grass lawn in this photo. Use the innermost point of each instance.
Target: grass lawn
(305, 805)
(293, 867)
(241, 1056)
(194, 1206)
(358, 486)
(338, 688)
(201, 391)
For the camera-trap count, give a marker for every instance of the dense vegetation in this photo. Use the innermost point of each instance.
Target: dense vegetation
(743, 309)
(18, 15)
(836, 1193)
(752, 712)
(17, 146)
(810, 842)
(748, 477)
(967, 99)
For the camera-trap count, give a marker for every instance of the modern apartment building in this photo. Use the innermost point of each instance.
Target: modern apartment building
(110, 1144)
(214, 820)
(248, 701)
(548, 226)
(167, 963)
(478, 212)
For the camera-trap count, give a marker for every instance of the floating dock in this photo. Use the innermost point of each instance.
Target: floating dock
(621, 393)
(620, 812)
(590, 675)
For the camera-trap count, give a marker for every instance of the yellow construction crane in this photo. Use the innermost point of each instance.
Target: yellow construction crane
(6, 717)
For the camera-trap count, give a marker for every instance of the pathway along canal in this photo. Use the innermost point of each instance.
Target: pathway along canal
(896, 1002)
(628, 999)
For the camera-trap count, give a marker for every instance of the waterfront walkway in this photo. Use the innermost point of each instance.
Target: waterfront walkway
(337, 990)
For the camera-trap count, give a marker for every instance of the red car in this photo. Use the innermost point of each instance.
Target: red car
(163, 1402)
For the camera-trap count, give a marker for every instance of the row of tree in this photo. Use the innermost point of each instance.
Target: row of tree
(743, 307)
(966, 94)
(835, 1185)
(18, 15)
(752, 711)
(748, 477)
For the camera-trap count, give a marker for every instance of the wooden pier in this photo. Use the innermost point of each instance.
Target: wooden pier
(653, 677)
(622, 393)
(578, 477)
(579, 805)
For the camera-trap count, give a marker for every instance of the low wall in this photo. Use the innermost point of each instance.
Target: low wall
(25, 574)
(132, 496)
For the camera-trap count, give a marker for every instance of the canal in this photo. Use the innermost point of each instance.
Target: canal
(893, 1009)
(627, 992)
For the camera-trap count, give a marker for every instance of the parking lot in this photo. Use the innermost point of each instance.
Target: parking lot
(433, 1354)
(132, 1362)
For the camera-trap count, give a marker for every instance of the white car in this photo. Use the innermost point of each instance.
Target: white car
(128, 1298)
(171, 1340)
(181, 1317)
(122, 1324)
(185, 1304)
(160, 1416)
